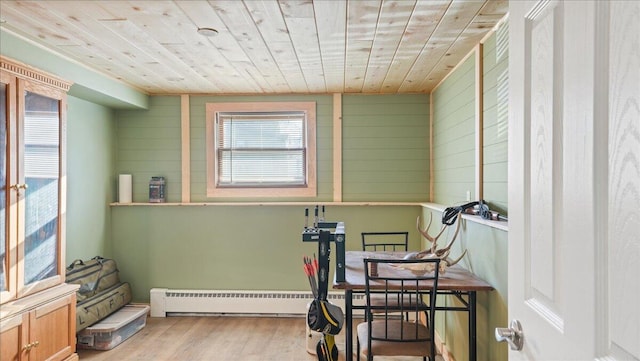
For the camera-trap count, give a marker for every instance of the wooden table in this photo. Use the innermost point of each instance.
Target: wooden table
(455, 281)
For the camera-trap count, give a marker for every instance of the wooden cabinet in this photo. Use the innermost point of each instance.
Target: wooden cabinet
(41, 327)
(32, 189)
(37, 312)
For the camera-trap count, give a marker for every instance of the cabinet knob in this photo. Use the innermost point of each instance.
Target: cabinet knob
(18, 187)
(31, 345)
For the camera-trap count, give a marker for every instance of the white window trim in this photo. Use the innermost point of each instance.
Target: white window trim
(213, 191)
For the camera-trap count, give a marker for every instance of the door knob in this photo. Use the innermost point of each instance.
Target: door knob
(512, 335)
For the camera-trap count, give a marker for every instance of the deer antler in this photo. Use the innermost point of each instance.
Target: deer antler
(433, 251)
(441, 252)
(425, 234)
(453, 262)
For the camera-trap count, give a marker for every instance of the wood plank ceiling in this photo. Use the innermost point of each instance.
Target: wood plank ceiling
(262, 46)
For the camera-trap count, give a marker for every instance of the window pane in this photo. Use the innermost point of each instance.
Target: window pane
(262, 167)
(240, 132)
(41, 172)
(261, 149)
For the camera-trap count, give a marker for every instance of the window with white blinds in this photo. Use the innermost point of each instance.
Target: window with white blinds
(261, 149)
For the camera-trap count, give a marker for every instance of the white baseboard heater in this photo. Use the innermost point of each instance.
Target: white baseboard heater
(175, 302)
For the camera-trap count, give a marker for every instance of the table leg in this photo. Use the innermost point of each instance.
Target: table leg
(473, 347)
(348, 294)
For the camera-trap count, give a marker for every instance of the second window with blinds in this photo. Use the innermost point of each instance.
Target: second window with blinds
(261, 150)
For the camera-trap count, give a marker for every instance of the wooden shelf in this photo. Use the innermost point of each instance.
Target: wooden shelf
(501, 225)
(435, 206)
(310, 204)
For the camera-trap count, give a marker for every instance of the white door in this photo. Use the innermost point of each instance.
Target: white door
(574, 179)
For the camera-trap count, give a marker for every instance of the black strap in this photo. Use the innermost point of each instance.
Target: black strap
(75, 263)
(450, 214)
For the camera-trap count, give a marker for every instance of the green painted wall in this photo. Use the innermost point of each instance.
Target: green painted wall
(496, 116)
(454, 136)
(149, 145)
(91, 183)
(385, 148)
(454, 171)
(487, 258)
(259, 247)
(454, 128)
(238, 247)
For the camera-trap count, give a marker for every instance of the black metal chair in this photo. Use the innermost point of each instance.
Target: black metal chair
(392, 336)
(380, 242)
(385, 241)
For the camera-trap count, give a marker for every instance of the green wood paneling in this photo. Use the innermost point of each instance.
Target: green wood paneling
(404, 166)
(385, 147)
(233, 247)
(454, 136)
(390, 132)
(495, 131)
(454, 174)
(149, 145)
(487, 258)
(454, 129)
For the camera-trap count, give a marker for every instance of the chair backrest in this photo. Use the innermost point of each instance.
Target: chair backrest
(385, 241)
(403, 282)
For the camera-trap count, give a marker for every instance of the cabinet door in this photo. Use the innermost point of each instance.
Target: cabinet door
(39, 175)
(14, 338)
(52, 329)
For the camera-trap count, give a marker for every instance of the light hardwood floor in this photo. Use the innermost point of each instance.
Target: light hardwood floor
(218, 339)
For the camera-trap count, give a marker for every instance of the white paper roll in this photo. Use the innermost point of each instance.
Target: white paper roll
(124, 188)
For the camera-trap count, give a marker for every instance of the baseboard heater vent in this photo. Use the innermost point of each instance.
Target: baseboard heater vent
(175, 302)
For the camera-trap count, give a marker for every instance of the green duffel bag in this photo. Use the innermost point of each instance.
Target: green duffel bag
(93, 276)
(94, 309)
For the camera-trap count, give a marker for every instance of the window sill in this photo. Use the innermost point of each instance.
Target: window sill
(501, 225)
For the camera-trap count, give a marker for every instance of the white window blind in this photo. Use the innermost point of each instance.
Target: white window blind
(41, 144)
(261, 149)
